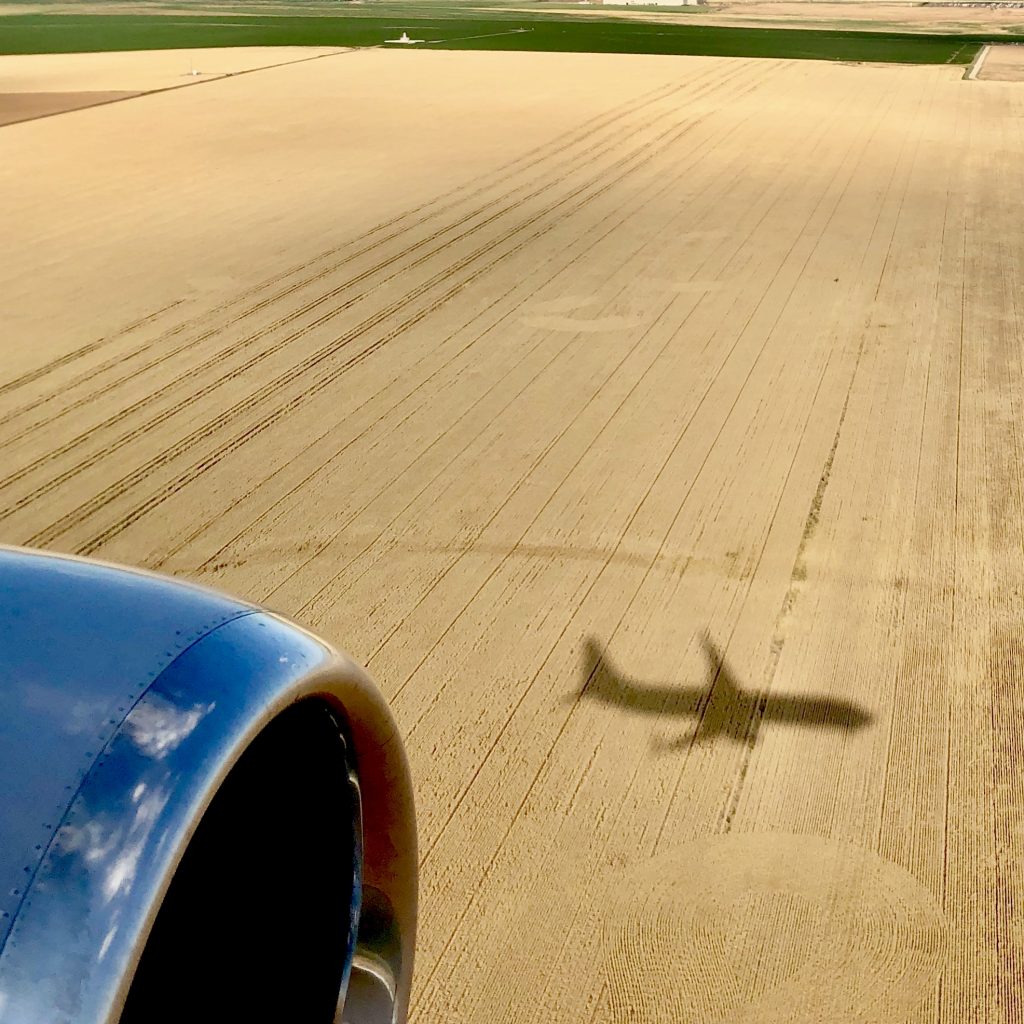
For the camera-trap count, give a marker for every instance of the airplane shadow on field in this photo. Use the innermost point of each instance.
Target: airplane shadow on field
(720, 709)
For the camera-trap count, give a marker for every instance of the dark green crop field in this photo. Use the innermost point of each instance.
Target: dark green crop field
(453, 29)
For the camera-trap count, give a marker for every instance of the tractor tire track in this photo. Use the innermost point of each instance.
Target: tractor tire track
(428, 381)
(310, 360)
(198, 370)
(560, 147)
(627, 165)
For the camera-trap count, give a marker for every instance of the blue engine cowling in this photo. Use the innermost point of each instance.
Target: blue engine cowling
(188, 782)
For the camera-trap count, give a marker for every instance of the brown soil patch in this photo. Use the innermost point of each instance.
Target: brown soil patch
(24, 106)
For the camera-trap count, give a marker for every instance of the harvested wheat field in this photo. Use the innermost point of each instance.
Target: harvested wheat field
(652, 428)
(1000, 64)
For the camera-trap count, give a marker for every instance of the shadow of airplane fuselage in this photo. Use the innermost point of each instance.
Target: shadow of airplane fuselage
(722, 708)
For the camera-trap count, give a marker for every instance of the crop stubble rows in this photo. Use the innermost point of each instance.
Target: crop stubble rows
(722, 361)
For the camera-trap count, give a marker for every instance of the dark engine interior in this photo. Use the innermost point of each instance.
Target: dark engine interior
(255, 924)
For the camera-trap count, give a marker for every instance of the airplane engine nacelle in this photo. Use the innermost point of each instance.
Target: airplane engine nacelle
(206, 811)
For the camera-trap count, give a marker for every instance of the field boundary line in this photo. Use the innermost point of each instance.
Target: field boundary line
(185, 85)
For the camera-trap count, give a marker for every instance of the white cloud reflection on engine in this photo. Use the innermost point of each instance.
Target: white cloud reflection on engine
(112, 841)
(157, 726)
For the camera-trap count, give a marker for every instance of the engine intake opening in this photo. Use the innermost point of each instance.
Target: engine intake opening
(255, 924)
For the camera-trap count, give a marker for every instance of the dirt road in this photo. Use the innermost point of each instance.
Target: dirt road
(650, 427)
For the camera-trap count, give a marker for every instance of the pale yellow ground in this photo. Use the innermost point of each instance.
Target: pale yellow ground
(1002, 64)
(526, 375)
